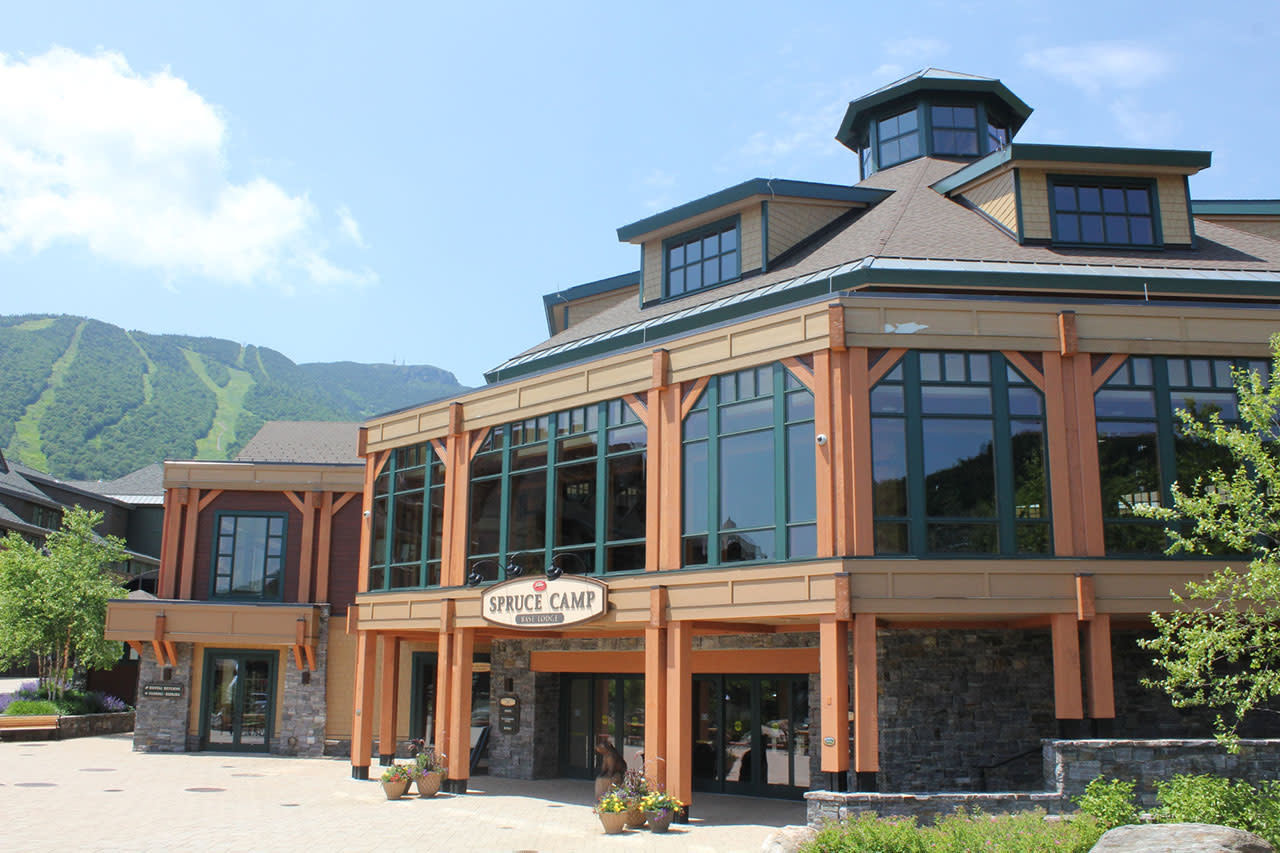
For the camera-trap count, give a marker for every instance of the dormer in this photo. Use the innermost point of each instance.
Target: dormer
(737, 232)
(1071, 196)
(932, 113)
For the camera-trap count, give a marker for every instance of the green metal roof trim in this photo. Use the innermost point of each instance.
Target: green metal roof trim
(985, 275)
(1029, 151)
(1237, 207)
(756, 186)
(931, 80)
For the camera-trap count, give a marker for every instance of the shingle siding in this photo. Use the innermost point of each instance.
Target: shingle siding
(1173, 210)
(996, 198)
(1033, 185)
(789, 223)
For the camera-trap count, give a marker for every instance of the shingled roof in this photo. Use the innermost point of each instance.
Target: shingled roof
(308, 442)
(917, 223)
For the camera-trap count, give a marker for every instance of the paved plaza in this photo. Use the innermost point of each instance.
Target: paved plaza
(97, 794)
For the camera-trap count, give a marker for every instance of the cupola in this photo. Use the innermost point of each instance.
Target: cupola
(932, 113)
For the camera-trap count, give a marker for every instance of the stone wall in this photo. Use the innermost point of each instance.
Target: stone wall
(825, 806)
(160, 723)
(300, 723)
(963, 710)
(89, 725)
(533, 751)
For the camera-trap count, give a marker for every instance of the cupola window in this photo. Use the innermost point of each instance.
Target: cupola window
(1103, 213)
(899, 138)
(955, 130)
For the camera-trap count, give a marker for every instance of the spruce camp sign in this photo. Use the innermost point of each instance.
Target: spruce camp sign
(534, 603)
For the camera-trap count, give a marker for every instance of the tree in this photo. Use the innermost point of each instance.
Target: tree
(1220, 647)
(53, 600)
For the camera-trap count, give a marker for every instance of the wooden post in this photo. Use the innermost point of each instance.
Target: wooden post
(1067, 701)
(833, 667)
(1059, 399)
(655, 687)
(387, 700)
(305, 557)
(671, 515)
(866, 746)
(189, 543)
(366, 521)
(459, 750)
(840, 442)
(362, 715)
(1099, 676)
(823, 403)
(324, 547)
(171, 537)
(680, 711)
(857, 454)
(444, 663)
(653, 462)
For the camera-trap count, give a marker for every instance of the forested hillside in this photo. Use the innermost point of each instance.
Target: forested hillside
(83, 399)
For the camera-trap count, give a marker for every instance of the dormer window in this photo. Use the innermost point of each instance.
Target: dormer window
(955, 130)
(1103, 212)
(703, 258)
(997, 135)
(899, 138)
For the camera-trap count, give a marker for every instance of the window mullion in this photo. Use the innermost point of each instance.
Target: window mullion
(389, 523)
(549, 520)
(1003, 456)
(1166, 429)
(713, 473)
(781, 545)
(602, 484)
(503, 509)
(916, 529)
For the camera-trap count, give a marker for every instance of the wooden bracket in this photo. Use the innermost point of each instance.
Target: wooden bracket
(339, 503)
(1110, 366)
(136, 646)
(690, 399)
(295, 500)
(801, 371)
(886, 363)
(1026, 368)
(477, 439)
(208, 499)
(637, 405)
(159, 644)
(438, 446)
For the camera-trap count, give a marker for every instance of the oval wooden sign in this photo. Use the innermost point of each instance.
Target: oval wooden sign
(539, 603)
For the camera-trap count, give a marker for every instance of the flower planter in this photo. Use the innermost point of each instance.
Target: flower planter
(396, 788)
(429, 783)
(635, 817)
(613, 822)
(660, 821)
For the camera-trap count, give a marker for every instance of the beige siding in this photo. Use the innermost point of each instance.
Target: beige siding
(1174, 223)
(751, 239)
(652, 270)
(340, 681)
(1033, 187)
(996, 198)
(791, 222)
(590, 306)
(1263, 227)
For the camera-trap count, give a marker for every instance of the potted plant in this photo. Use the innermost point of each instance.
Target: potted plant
(660, 808)
(612, 810)
(431, 767)
(633, 789)
(396, 780)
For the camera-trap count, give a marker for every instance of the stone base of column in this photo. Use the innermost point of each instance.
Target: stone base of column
(361, 773)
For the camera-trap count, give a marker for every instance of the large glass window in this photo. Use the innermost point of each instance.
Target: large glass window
(1142, 448)
(1102, 212)
(703, 258)
(249, 555)
(408, 520)
(567, 487)
(955, 130)
(958, 458)
(899, 138)
(749, 470)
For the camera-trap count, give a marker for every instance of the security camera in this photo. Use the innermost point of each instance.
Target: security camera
(367, 513)
(822, 438)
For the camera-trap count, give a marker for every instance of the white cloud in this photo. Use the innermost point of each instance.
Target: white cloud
(133, 166)
(1145, 127)
(1095, 66)
(350, 228)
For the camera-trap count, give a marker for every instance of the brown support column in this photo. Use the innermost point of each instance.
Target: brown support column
(1099, 677)
(189, 543)
(171, 538)
(823, 401)
(444, 664)
(858, 453)
(362, 715)
(387, 700)
(1086, 450)
(324, 547)
(671, 516)
(459, 750)
(653, 463)
(366, 519)
(655, 687)
(866, 734)
(833, 675)
(841, 442)
(680, 712)
(305, 558)
(1067, 701)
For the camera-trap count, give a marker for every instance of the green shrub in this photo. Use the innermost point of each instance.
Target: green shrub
(1213, 799)
(962, 832)
(31, 706)
(1109, 802)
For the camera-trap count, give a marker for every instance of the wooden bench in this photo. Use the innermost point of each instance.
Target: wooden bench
(29, 723)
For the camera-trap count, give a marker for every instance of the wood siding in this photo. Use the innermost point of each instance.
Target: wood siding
(792, 221)
(997, 198)
(247, 502)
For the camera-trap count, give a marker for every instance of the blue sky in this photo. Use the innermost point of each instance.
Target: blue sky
(377, 182)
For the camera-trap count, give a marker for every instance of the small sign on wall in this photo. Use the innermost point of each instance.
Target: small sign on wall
(509, 715)
(162, 690)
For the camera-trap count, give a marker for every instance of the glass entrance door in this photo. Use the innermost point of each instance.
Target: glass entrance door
(751, 735)
(596, 707)
(239, 700)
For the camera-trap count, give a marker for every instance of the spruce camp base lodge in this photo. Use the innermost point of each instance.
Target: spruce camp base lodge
(853, 470)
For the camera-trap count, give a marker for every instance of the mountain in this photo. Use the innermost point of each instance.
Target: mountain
(83, 399)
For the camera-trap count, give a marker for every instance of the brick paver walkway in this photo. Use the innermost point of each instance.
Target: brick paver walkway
(97, 794)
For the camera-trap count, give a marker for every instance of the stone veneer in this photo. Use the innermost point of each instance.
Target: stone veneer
(300, 721)
(160, 723)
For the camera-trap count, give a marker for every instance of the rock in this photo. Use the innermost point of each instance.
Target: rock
(1180, 838)
(788, 839)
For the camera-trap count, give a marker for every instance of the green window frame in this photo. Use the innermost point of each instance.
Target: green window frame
(565, 489)
(249, 556)
(955, 130)
(898, 138)
(1099, 211)
(705, 257)
(750, 470)
(1141, 447)
(408, 520)
(929, 498)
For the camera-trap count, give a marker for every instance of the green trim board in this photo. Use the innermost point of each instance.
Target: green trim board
(771, 187)
(1034, 152)
(1236, 207)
